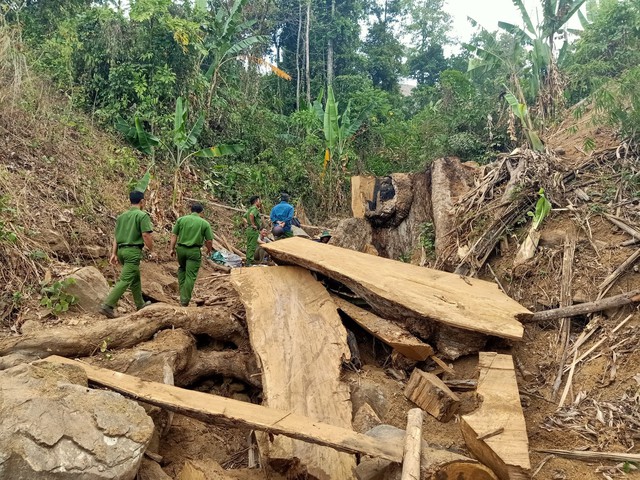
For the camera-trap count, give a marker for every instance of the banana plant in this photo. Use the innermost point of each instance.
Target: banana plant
(521, 111)
(185, 140)
(338, 128)
(227, 39)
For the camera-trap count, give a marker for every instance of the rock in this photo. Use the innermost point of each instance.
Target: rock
(150, 470)
(202, 470)
(90, 289)
(368, 392)
(93, 251)
(365, 419)
(53, 427)
(157, 360)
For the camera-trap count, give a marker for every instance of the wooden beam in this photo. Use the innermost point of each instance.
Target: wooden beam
(412, 446)
(399, 290)
(236, 414)
(585, 308)
(432, 395)
(385, 331)
(298, 337)
(506, 453)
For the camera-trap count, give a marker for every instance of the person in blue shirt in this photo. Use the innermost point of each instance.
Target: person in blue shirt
(281, 216)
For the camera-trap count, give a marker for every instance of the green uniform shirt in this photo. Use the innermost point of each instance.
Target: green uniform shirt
(130, 226)
(256, 216)
(192, 230)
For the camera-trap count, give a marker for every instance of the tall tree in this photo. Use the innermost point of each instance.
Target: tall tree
(382, 46)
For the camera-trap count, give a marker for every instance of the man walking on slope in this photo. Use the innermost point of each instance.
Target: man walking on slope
(190, 233)
(133, 233)
(253, 224)
(281, 216)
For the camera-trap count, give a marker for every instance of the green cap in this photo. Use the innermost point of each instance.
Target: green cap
(325, 234)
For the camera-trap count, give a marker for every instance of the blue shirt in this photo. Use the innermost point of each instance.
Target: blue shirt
(282, 212)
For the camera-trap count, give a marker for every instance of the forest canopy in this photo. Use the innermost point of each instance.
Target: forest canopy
(298, 95)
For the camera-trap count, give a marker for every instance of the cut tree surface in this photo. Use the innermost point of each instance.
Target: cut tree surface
(362, 189)
(386, 331)
(399, 290)
(236, 414)
(506, 452)
(432, 395)
(299, 339)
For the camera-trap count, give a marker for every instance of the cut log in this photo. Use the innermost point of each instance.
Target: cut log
(385, 331)
(585, 308)
(124, 332)
(398, 290)
(412, 446)
(434, 465)
(507, 453)
(432, 395)
(236, 414)
(299, 339)
(361, 193)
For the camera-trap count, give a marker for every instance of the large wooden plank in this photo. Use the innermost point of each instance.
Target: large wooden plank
(496, 433)
(236, 414)
(386, 331)
(299, 339)
(399, 290)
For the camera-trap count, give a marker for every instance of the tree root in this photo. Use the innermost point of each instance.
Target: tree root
(218, 322)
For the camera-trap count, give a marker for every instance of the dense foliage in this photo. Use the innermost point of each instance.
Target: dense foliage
(298, 95)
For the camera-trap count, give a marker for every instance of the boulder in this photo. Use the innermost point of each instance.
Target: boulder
(90, 288)
(53, 427)
(365, 419)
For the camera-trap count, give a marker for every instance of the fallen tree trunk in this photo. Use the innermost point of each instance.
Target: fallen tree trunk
(585, 308)
(236, 414)
(299, 339)
(124, 332)
(228, 363)
(386, 331)
(399, 290)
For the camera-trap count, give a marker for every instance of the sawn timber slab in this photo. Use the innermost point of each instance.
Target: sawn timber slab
(505, 446)
(298, 337)
(386, 331)
(236, 414)
(399, 290)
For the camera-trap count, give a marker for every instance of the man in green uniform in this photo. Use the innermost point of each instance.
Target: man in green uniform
(190, 233)
(133, 232)
(253, 223)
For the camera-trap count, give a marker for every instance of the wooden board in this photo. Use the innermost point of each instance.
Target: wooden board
(432, 395)
(400, 290)
(506, 453)
(386, 331)
(362, 189)
(299, 339)
(236, 414)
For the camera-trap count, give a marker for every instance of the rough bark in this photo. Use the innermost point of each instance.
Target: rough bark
(124, 332)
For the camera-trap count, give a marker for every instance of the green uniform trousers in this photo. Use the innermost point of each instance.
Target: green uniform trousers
(189, 260)
(252, 244)
(129, 258)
